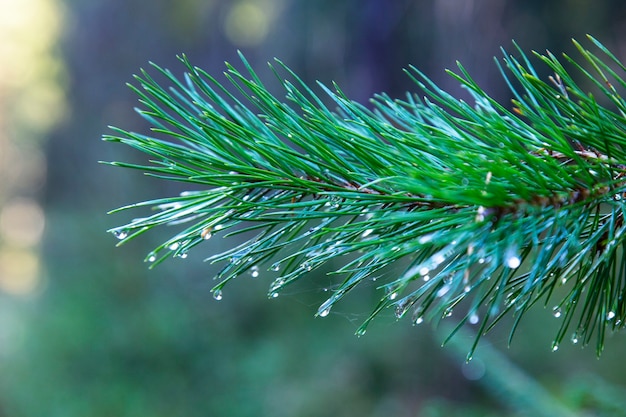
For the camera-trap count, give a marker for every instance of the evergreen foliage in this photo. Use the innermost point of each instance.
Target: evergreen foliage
(472, 208)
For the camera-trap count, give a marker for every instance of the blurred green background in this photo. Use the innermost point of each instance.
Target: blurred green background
(87, 330)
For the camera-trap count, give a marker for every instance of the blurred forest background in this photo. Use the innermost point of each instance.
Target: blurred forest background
(87, 330)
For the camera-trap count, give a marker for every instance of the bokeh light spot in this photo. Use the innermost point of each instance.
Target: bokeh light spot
(21, 223)
(247, 24)
(19, 271)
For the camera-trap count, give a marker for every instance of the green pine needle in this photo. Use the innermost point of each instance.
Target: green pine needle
(469, 209)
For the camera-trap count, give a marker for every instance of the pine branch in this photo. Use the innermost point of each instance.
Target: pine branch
(454, 207)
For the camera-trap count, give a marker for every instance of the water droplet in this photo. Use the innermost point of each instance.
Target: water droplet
(473, 318)
(467, 289)
(443, 291)
(273, 294)
(610, 315)
(401, 308)
(575, 338)
(448, 279)
(325, 307)
(438, 258)
(367, 232)
(424, 271)
(393, 295)
(120, 234)
(480, 214)
(511, 259)
(481, 261)
(276, 285)
(447, 312)
(306, 266)
(425, 239)
(361, 332)
(182, 255)
(275, 266)
(174, 246)
(418, 315)
(217, 294)
(152, 258)
(426, 278)
(254, 271)
(556, 312)
(206, 233)
(335, 201)
(555, 347)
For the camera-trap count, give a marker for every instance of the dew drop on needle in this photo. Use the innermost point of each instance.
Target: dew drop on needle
(512, 259)
(120, 234)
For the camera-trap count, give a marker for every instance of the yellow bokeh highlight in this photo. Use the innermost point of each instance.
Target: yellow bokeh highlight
(248, 22)
(21, 223)
(19, 271)
(32, 101)
(31, 74)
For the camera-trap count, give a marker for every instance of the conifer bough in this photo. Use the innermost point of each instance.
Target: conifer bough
(469, 210)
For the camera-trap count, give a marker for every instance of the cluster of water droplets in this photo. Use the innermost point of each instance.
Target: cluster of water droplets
(334, 202)
(432, 263)
(403, 306)
(276, 286)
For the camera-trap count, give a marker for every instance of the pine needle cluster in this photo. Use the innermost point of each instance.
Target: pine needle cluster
(470, 209)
